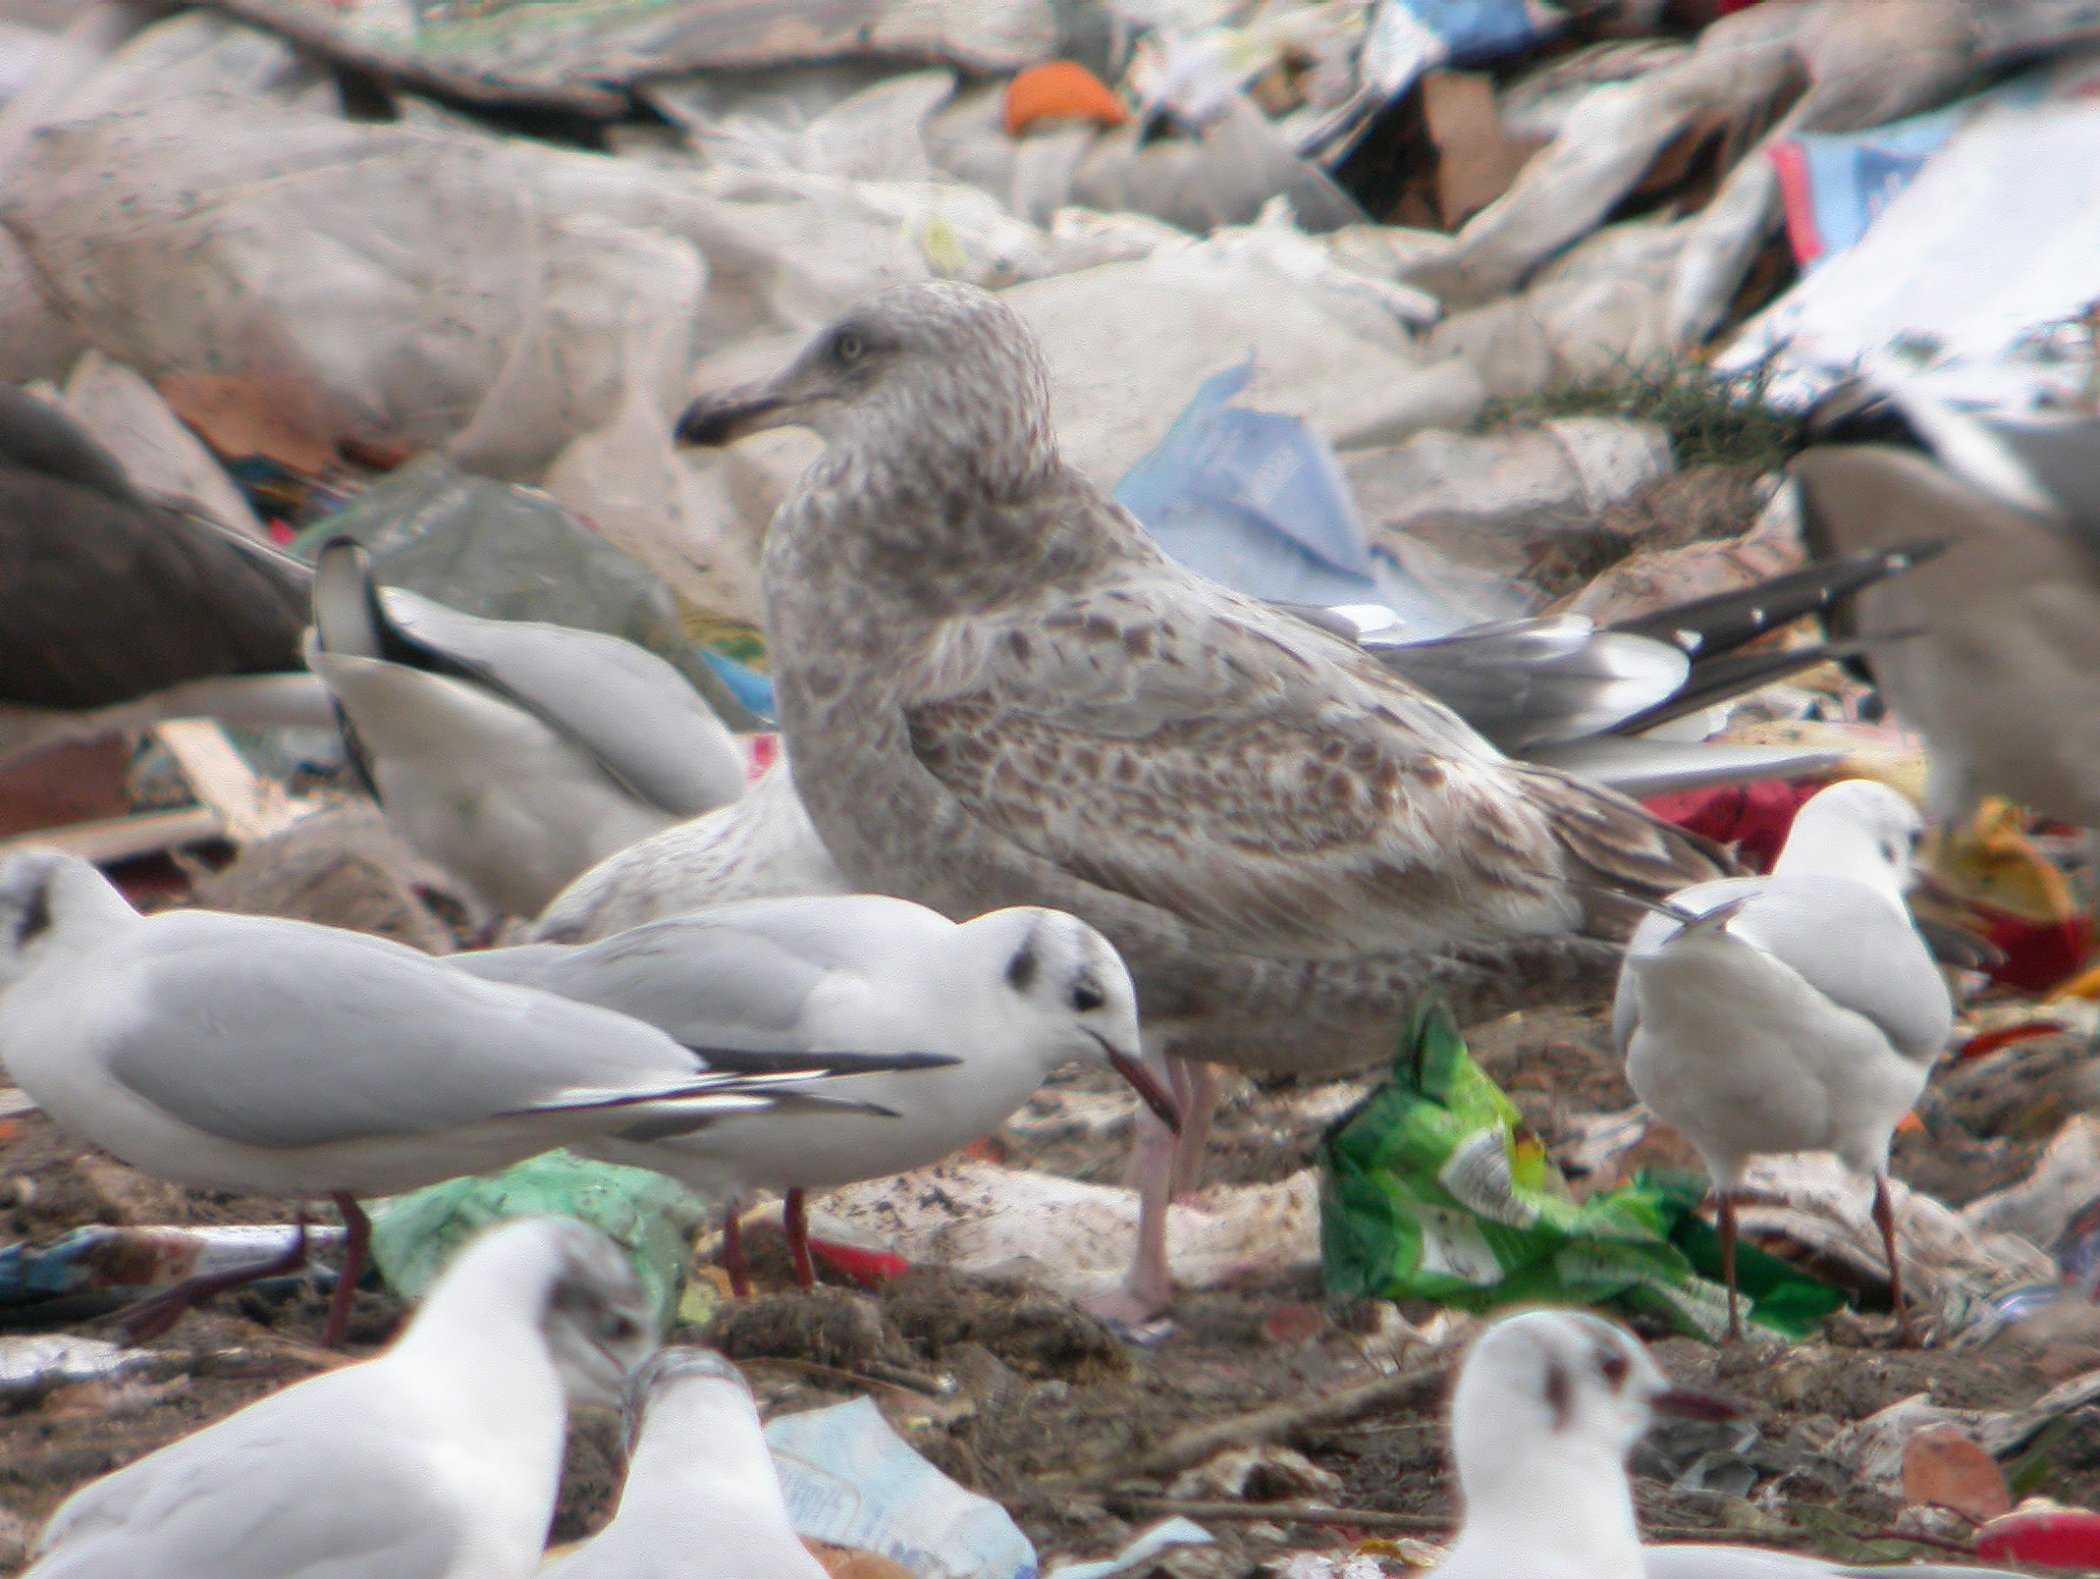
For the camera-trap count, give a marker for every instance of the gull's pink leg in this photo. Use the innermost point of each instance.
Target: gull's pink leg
(1196, 1096)
(151, 1317)
(1885, 1220)
(1148, 1288)
(795, 1219)
(1725, 1212)
(356, 1243)
(733, 1252)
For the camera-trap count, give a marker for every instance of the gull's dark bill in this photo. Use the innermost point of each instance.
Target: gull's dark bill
(1156, 1096)
(720, 419)
(1694, 1405)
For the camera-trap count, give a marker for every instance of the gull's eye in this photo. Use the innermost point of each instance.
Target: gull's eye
(1086, 997)
(847, 348)
(1615, 1368)
(620, 1328)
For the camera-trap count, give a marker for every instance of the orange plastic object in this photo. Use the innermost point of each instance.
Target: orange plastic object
(1060, 91)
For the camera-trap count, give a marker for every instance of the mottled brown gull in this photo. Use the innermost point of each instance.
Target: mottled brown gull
(996, 691)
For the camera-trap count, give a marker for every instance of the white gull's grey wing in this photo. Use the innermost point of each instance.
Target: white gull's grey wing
(277, 1034)
(1839, 936)
(267, 1497)
(738, 975)
(628, 708)
(710, 987)
(1656, 929)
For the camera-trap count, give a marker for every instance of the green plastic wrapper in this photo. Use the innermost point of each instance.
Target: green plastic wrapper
(649, 1216)
(1434, 1187)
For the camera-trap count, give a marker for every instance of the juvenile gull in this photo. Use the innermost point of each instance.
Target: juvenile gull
(1548, 1406)
(515, 754)
(995, 690)
(702, 1499)
(278, 1057)
(1011, 996)
(1798, 1012)
(1556, 689)
(760, 847)
(440, 1459)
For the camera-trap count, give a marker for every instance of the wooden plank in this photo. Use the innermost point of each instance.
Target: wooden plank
(249, 807)
(123, 838)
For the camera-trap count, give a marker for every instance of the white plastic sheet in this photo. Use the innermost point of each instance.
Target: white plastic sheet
(1964, 276)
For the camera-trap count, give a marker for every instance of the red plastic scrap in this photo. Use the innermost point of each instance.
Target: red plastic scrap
(2039, 955)
(1752, 817)
(869, 1268)
(2006, 1035)
(2046, 1537)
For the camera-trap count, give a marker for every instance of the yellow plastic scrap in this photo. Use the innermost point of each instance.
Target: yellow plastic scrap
(1992, 862)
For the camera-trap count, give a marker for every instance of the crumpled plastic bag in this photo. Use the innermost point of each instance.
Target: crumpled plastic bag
(651, 1217)
(427, 283)
(1252, 499)
(1434, 1187)
(849, 1480)
(1127, 344)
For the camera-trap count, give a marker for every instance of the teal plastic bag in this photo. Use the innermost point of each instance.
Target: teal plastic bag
(1434, 1187)
(649, 1216)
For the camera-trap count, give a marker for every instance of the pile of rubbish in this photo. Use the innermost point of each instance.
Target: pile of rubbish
(316, 231)
(1457, 311)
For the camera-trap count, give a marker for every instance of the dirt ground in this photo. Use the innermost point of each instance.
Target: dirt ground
(1017, 1395)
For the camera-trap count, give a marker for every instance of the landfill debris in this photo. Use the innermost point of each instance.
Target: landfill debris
(99, 1258)
(1255, 500)
(1061, 90)
(32, 1365)
(343, 867)
(159, 454)
(574, 55)
(852, 1481)
(1263, 1473)
(1945, 1467)
(1407, 302)
(1967, 277)
(1954, 1269)
(1073, 1237)
(652, 1218)
(1141, 1551)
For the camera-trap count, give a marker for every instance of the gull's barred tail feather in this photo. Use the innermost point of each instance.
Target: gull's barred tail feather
(1624, 852)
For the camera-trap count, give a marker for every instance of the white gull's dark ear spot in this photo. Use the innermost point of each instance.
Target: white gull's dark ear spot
(36, 916)
(1560, 1394)
(1020, 970)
